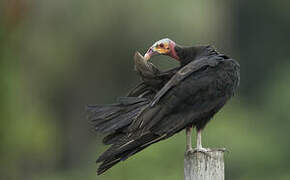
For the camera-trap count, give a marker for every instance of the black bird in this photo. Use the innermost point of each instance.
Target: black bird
(165, 103)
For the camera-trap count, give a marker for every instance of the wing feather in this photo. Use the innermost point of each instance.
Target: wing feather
(155, 112)
(183, 73)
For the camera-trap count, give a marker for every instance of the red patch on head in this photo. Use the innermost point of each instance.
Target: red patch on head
(173, 53)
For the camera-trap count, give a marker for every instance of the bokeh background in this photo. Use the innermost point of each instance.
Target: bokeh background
(56, 56)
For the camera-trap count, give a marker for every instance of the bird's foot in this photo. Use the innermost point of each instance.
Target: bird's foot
(202, 150)
(189, 151)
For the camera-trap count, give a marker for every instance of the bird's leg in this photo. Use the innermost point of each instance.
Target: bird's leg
(198, 139)
(188, 139)
(198, 142)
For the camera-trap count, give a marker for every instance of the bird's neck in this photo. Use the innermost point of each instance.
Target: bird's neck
(188, 54)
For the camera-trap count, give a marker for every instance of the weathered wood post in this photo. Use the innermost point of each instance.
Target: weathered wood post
(204, 165)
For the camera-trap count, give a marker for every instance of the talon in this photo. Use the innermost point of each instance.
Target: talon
(202, 150)
(189, 151)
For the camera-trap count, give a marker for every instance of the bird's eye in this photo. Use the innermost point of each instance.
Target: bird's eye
(161, 45)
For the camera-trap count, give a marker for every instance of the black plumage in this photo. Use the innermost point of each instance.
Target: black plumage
(165, 103)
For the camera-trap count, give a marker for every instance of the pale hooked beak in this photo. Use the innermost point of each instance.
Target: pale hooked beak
(147, 57)
(151, 52)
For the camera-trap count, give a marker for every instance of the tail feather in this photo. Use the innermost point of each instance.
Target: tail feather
(100, 113)
(110, 118)
(113, 138)
(125, 149)
(118, 122)
(106, 165)
(115, 120)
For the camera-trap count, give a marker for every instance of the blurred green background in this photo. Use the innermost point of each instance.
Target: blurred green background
(56, 56)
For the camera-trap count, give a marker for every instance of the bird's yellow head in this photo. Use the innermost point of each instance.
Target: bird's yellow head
(162, 47)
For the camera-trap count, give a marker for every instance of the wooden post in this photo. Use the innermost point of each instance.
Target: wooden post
(204, 165)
